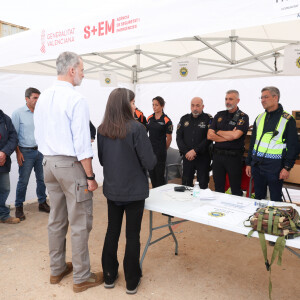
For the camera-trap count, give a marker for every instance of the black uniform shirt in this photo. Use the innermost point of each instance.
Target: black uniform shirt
(221, 122)
(157, 134)
(192, 133)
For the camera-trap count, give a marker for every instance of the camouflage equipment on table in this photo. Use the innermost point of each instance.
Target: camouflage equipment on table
(282, 221)
(276, 220)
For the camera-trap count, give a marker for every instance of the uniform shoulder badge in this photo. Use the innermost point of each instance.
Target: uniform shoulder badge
(286, 116)
(178, 126)
(220, 119)
(242, 114)
(186, 124)
(241, 122)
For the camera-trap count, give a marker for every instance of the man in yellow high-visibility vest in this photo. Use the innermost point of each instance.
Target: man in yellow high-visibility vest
(273, 147)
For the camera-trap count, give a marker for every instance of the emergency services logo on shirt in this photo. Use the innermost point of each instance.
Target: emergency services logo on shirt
(220, 119)
(107, 80)
(216, 214)
(298, 62)
(241, 122)
(186, 124)
(183, 71)
(178, 126)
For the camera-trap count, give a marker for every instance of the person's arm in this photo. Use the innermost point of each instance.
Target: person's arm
(169, 140)
(100, 150)
(15, 118)
(87, 166)
(144, 149)
(82, 139)
(211, 135)
(251, 146)
(20, 157)
(230, 135)
(12, 141)
(291, 138)
(179, 138)
(169, 134)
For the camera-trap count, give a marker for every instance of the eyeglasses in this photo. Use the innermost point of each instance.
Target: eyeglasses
(265, 97)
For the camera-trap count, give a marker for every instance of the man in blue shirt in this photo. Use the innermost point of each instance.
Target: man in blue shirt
(28, 156)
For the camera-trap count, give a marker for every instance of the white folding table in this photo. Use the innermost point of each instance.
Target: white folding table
(224, 211)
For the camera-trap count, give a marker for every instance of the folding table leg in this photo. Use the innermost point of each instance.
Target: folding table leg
(148, 241)
(173, 235)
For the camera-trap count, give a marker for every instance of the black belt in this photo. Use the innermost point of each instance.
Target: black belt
(29, 148)
(228, 152)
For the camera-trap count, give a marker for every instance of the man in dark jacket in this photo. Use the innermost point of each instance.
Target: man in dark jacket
(191, 138)
(273, 146)
(8, 144)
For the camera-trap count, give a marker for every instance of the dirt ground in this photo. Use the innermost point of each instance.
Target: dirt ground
(212, 263)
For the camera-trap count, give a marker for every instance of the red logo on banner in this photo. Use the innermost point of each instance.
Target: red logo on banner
(106, 27)
(43, 35)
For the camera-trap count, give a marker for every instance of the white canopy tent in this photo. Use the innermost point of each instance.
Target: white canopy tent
(161, 33)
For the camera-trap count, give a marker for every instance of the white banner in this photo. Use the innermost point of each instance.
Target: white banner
(108, 79)
(286, 7)
(292, 60)
(148, 22)
(184, 69)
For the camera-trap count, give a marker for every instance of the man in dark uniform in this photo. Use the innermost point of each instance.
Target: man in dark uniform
(139, 116)
(273, 147)
(191, 138)
(228, 130)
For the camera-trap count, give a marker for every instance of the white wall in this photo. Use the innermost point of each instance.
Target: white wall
(179, 94)
(177, 97)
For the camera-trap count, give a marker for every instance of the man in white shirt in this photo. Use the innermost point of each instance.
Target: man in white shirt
(62, 133)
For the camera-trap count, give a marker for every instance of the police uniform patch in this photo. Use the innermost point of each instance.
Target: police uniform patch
(286, 116)
(170, 127)
(178, 126)
(186, 124)
(220, 119)
(202, 125)
(241, 122)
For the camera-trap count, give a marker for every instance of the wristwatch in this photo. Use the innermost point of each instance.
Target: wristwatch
(287, 168)
(91, 178)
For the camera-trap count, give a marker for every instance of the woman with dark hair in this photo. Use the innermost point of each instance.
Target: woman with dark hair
(160, 130)
(125, 153)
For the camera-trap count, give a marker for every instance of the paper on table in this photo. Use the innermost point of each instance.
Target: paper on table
(207, 194)
(179, 196)
(219, 214)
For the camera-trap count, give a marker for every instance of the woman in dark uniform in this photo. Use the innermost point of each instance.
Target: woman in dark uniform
(160, 130)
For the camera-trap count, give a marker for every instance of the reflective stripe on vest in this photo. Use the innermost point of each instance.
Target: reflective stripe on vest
(269, 146)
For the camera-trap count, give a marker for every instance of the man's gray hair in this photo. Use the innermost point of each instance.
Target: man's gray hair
(65, 61)
(274, 91)
(233, 92)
